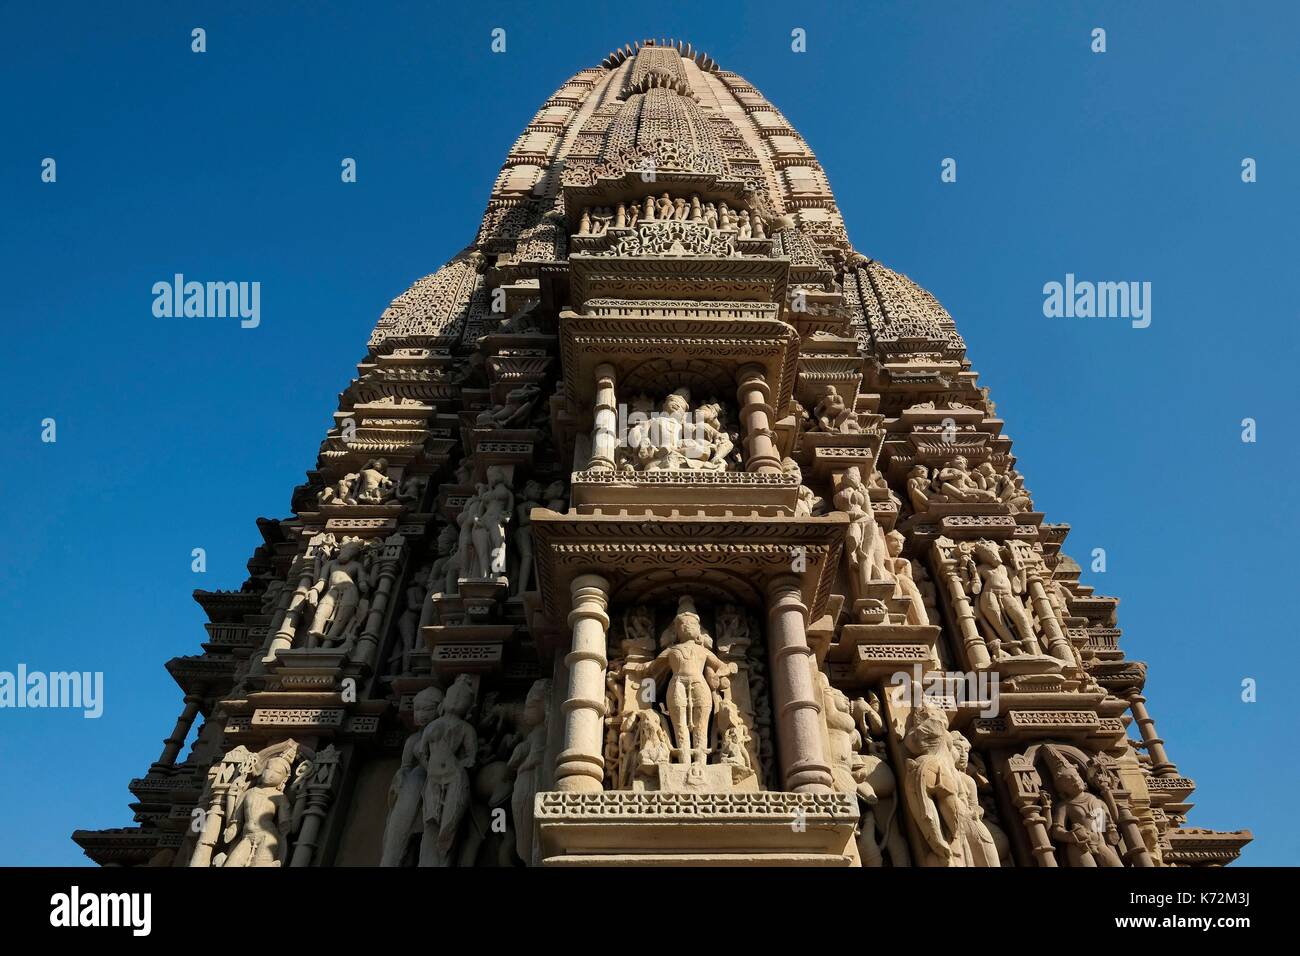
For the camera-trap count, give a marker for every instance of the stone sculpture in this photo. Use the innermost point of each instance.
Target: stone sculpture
(834, 416)
(341, 580)
(978, 846)
(447, 751)
(405, 821)
(1081, 822)
(694, 674)
(933, 787)
(999, 592)
(263, 814)
(526, 764)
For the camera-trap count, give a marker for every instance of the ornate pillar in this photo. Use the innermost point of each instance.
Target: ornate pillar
(221, 775)
(305, 566)
(755, 414)
(977, 652)
(389, 558)
(1058, 645)
(581, 764)
(604, 437)
(173, 744)
(804, 767)
(1030, 799)
(1161, 765)
(320, 787)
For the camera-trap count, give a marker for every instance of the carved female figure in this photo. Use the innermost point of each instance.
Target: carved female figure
(1081, 821)
(490, 526)
(933, 788)
(406, 793)
(531, 496)
(338, 588)
(526, 762)
(999, 603)
(447, 750)
(262, 816)
(979, 846)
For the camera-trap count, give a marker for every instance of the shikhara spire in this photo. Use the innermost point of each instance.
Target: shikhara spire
(660, 504)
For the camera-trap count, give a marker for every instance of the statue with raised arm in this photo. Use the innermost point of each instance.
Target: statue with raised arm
(999, 602)
(1081, 821)
(933, 789)
(864, 544)
(340, 581)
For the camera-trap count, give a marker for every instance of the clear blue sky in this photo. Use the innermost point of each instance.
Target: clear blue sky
(176, 434)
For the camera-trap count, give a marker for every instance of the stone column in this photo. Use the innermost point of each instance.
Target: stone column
(320, 788)
(389, 558)
(581, 764)
(173, 744)
(1058, 645)
(1161, 765)
(796, 701)
(756, 415)
(604, 437)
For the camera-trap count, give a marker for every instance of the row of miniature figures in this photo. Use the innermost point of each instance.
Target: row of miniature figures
(597, 220)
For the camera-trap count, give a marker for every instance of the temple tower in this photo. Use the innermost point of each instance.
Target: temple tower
(661, 526)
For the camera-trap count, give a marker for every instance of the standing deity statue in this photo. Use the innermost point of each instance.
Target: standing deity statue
(864, 544)
(904, 584)
(406, 793)
(442, 575)
(447, 750)
(1081, 821)
(842, 731)
(979, 847)
(341, 580)
(695, 671)
(880, 832)
(999, 601)
(408, 629)
(498, 504)
(833, 415)
(467, 560)
(531, 498)
(526, 762)
(933, 788)
(263, 816)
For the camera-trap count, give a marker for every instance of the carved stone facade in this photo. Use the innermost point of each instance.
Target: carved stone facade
(661, 526)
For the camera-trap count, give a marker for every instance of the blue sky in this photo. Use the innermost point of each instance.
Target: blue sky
(177, 433)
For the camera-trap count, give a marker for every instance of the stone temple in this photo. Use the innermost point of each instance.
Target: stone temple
(660, 526)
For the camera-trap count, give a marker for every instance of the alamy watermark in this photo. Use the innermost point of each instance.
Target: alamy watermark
(74, 690)
(1103, 300)
(949, 690)
(208, 300)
